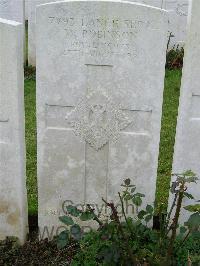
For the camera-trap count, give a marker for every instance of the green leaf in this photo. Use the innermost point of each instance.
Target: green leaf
(193, 208)
(149, 209)
(63, 239)
(75, 230)
(137, 201)
(183, 229)
(85, 216)
(128, 197)
(133, 189)
(66, 220)
(73, 211)
(139, 195)
(148, 218)
(109, 254)
(196, 234)
(194, 221)
(187, 176)
(192, 179)
(141, 214)
(127, 181)
(189, 196)
(189, 173)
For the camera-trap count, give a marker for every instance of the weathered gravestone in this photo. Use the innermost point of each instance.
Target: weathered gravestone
(32, 22)
(187, 145)
(31, 28)
(12, 10)
(13, 203)
(178, 11)
(100, 78)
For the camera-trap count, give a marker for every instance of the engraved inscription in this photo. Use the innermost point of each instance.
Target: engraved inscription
(100, 37)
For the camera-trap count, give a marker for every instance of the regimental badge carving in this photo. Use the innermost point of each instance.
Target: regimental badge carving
(97, 120)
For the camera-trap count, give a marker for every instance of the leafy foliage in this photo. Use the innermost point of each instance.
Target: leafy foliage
(73, 211)
(63, 239)
(179, 190)
(193, 223)
(29, 73)
(66, 220)
(193, 208)
(174, 58)
(129, 241)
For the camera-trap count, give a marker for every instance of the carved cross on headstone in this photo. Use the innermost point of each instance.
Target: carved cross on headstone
(97, 119)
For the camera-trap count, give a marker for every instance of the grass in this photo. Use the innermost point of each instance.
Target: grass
(31, 158)
(168, 131)
(170, 109)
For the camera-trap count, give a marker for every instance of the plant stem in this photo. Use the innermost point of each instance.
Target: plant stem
(95, 218)
(124, 214)
(175, 220)
(171, 209)
(120, 229)
(185, 238)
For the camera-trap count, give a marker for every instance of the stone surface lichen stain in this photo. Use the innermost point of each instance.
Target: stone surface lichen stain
(3, 207)
(11, 213)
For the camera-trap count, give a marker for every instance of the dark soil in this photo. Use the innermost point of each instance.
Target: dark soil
(35, 252)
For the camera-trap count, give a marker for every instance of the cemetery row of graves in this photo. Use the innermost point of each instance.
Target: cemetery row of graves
(103, 112)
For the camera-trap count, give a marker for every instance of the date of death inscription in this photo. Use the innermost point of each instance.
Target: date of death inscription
(100, 37)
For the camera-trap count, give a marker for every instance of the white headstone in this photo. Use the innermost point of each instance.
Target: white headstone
(187, 145)
(13, 202)
(31, 28)
(12, 10)
(32, 22)
(178, 11)
(100, 70)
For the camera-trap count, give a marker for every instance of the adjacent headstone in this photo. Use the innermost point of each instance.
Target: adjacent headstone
(155, 3)
(187, 145)
(178, 11)
(100, 78)
(31, 28)
(12, 10)
(13, 202)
